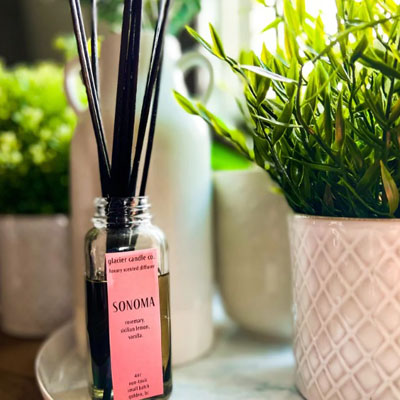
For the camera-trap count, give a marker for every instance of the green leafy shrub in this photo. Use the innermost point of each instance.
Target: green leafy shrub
(36, 128)
(324, 108)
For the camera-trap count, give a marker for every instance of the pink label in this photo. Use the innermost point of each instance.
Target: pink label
(135, 326)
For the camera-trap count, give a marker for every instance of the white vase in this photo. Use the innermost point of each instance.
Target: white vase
(347, 307)
(35, 274)
(179, 187)
(252, 251)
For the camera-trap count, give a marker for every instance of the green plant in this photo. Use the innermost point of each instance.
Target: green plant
(324, 108)
(36, 127)
(224, 158)
(182, 12)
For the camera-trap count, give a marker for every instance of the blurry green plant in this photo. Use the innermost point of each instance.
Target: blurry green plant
(182, 12)
(324, 108)
(36, 128)
(224, 158)
(66, 45)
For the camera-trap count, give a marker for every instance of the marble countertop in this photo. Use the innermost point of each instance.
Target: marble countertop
(238, 367)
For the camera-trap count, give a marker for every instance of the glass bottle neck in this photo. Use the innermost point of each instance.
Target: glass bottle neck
(120, 212)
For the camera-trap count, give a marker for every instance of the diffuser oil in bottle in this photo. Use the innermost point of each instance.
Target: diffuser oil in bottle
(128, 307)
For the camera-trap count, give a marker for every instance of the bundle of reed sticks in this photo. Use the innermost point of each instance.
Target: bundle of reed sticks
(123, 177)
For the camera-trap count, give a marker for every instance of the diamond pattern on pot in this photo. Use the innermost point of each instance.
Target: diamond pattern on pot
(346, 287)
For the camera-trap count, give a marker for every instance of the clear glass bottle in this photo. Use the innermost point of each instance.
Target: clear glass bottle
(122, 226)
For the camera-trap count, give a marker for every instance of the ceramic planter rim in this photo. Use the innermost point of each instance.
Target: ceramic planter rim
(310, 217)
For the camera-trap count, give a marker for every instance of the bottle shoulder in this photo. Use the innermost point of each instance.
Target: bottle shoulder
(143, 233)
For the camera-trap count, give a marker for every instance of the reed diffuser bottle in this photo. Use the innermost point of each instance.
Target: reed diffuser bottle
(127, 280)
(128, 315)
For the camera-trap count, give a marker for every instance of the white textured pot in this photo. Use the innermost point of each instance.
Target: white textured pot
(35, 274)
(347, 307)
(252, 250)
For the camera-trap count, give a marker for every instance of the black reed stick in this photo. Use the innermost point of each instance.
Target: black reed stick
(105, 168)
(93, 101)
(152, 130)
(117, 180)
(126, 97)
(95, 45)
(147, 101)
(131, 106)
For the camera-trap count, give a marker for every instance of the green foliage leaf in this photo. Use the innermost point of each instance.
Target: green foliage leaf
(291, 17)
(374, 107)
(267, 74)
(233, 135)
(301, 10)
(395, 112)
(276, 123)
(319, 167)
(273, 25)
(359, 50)
(391, 190)
(328, 124)
(199, 39)
(370, 178)
(185, 103)
(284, 118)
(261, 151)
(319, 35)
(380, 66)
(310, 101)
(217, 47)
(340, 129)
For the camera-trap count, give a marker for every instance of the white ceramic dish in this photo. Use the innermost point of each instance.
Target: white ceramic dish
(60, 372)
(238, 368)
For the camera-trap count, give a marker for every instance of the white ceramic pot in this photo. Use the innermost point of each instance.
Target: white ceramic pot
(252, 250)
(347, 307)
(35, 274)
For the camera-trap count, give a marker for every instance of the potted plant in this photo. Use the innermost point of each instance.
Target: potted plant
(325, 115)
(35, 131)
